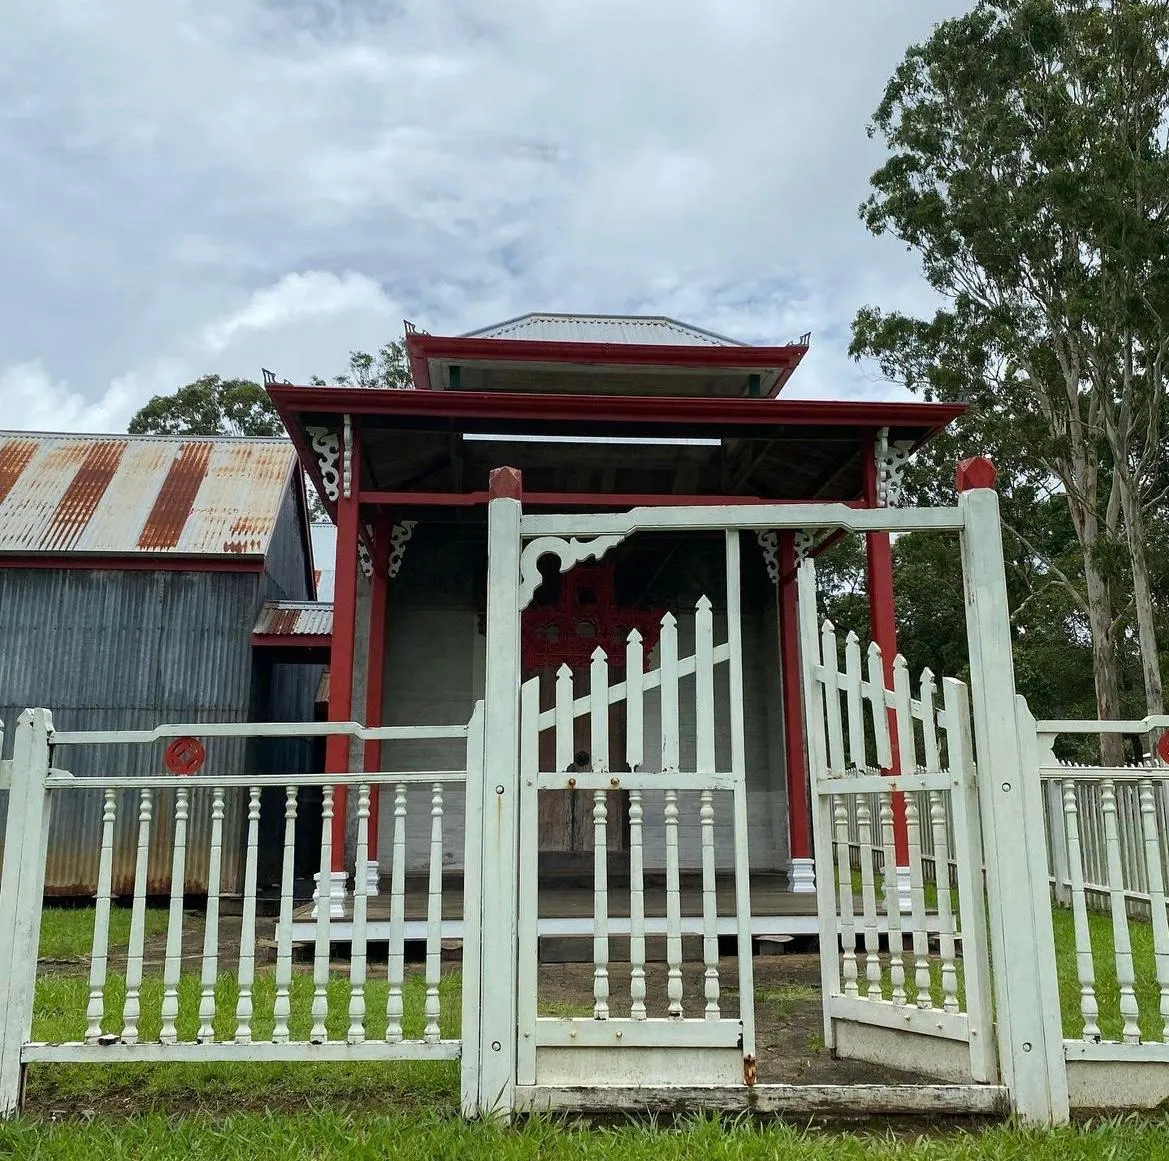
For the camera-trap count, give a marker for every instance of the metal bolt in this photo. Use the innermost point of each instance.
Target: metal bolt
(619, 1035)
(614, 781)
(495, 1046)
(572, 782)
(1026, 1045)
(499, 789)
(1006, 786)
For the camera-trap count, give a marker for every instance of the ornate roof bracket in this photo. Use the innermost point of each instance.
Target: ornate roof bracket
(399, 535)
(891, 460)
(347, 475)
(768, 539)
(568, 552)
(326, 445)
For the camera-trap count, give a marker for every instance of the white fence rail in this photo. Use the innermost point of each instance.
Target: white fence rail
(191, 1019)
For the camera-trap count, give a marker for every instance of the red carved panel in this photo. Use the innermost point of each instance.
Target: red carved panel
(585, 616)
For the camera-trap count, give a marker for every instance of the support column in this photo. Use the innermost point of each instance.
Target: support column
(883, 625)
(374, 675)
(341, 653)
(801, 872)
(1026, 991)
(498, 1029)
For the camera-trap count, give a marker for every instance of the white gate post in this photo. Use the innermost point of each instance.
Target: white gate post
(1026, 990)
(497, 1031)
(21, 888)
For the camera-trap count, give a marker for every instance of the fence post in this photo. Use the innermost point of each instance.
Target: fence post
(498, 1029)
(21, 888)
(472, 914)
(1026, 990)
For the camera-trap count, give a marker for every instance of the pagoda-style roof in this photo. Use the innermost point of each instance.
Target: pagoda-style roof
(554, 354)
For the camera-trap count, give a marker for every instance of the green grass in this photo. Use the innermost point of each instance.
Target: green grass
(324, 1134)
(67, 932)
(783, 1000)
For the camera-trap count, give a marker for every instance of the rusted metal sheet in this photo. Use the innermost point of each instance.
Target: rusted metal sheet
(295, 619)
(110, 496)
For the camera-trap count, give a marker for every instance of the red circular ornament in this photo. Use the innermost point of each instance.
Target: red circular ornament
(185, 756)
(1163, 748)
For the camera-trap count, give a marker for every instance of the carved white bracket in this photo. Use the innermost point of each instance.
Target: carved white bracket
(804, 543)
(568, 552)
(363, 555)
(347, 476)
(769, 546)
(327, 446)
(399, 535)
(891, 461)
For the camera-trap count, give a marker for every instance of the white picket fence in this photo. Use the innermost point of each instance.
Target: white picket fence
(854, 720)
(190, 1025)
(1108, 842)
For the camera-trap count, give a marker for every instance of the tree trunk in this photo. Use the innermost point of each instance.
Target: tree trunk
(1134, 520)
(1104, 671)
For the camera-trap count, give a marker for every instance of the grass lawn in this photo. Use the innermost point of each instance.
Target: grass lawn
(407, 1109)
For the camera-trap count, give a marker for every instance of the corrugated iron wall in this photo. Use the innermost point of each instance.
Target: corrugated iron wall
(129, 650)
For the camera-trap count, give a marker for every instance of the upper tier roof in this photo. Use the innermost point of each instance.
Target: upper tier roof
(144, 496)
(603, 328)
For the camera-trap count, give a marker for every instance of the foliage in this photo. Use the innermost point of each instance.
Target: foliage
(1028, 169)
(210, 406)
(388, 369)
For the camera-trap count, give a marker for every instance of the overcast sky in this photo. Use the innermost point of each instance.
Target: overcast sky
(194, 186)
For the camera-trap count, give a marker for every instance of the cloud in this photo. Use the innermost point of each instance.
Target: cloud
(198, 186)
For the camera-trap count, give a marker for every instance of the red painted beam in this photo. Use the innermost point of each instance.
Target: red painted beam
(883, 627)
(451, 407)
(375, 667)
(144, 563)
(291, 641)
(578, 499)
(793, 707)
(342, 652)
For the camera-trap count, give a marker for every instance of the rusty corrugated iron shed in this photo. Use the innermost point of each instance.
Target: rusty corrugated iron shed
(294, 619)
(132, 495)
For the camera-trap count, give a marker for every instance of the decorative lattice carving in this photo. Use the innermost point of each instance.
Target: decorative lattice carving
(326, 445)
(569, 552)
(891, 461)
(399, 535)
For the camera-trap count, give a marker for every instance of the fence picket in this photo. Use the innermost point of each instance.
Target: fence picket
(600, 898)
(244, 1006)
(946, 943)
(869, 899)
(636, 910)
(210, 963)
(921, 963)
(173, 960)
(599, 711)
(1121, 939)
(320, 1003)
(709, 907)
(358, 961)
(396, 960)
(857, 749)
(704, 686)
(565, 748)
(903, 713)
(634, 701)
(844, 886)
(99, 960)
(892, 906)
(282, 1008)
(879, 710)
(1156, 880)
(673, 908)
(1085, 968)
(432, 1010)
(929, 722)
(668, 665)
(132, 1006)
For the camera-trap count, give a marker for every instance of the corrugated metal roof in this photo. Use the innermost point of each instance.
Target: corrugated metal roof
(118, 495)
(295, 619)
(604, 328)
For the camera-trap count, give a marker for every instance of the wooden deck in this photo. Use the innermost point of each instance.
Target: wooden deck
(566, 909)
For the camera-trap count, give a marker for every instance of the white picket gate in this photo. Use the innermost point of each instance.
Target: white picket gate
(624, 1041)
(924, 1016)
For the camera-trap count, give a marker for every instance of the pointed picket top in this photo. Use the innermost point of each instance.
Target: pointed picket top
(900, 664)
(634, 638)
(599, 654)
(874, 650)
(564, 672)
(851, 638)
(669, 621)
(703, 604)
(827, 627)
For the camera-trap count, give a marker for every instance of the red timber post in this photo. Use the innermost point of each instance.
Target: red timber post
(801, 874)
(883, 625)
(341, 652)
(374, 676)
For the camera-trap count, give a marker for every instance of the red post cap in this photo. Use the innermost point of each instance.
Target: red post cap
(976, 472)
(506, 484)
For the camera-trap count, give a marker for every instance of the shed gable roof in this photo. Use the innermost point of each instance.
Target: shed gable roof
(140, 496)
(655, 330)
